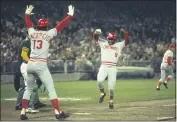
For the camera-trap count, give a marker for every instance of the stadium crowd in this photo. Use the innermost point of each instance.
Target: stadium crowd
(151, 26)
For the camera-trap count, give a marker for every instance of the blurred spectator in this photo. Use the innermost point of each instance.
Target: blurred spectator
(151, 29)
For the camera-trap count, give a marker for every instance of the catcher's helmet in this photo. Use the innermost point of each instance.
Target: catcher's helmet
(42, 23)
(112, 36)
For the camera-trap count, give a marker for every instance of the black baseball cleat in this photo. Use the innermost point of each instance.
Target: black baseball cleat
(18, 107)
(39, 105)
(166, 86)
(158, 89)
(62, 115)
(23, 117)
(111, 105)
(102, 98)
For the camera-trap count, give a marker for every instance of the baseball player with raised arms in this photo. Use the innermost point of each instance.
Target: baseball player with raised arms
(37, 65)
(23, 57)
(167, 66)
(110, 52)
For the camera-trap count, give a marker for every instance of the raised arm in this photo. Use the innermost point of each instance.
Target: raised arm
(61, 24)
(125, 36)
(27, 16)
(96, 35)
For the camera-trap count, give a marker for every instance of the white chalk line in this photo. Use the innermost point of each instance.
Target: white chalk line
(163, 118)
(81, 113)
(170, 105)
(45, 98)
(136, 107)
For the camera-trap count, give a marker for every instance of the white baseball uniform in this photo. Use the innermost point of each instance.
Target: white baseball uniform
(166, 69)
(109, 59)
(37, 65)
(23, 69)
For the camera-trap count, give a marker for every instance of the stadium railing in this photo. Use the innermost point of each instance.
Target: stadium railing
(70, 66)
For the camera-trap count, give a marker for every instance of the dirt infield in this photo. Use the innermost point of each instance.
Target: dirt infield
(141, 110)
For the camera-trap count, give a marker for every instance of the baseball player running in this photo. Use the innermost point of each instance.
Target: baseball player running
(37, 65)
(167, 66)
(110, 52)
(23, 57)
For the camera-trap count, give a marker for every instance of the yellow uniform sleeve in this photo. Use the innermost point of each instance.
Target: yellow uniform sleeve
(24, 54)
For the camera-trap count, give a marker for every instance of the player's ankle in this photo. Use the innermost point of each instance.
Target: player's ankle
(111, 100)
(23, 111)
(102, 93)
(58, 111)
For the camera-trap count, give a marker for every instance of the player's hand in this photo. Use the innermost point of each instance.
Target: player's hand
(96, 35)
(98, 31)
(71, 10)
(29, 9)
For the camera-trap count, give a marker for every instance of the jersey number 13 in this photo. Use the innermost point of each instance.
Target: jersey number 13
(37, 44)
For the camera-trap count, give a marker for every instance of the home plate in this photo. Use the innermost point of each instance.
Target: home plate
(82, 113)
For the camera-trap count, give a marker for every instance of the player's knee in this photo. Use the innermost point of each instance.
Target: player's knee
(35, 89)
(171, 76)
(27, 94)
(100, 79)
(100, 83)
(162, 79)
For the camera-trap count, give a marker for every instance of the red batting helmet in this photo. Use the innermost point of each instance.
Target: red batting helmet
(112, 36)
(42, 23)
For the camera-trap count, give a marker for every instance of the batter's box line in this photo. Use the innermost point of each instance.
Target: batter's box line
(169, 105)
(165, 118)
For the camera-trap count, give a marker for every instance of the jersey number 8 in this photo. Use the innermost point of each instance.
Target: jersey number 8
(37, 44)
(116, 54)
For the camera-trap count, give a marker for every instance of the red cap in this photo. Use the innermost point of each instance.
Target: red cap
(172, 46)
(42, 23)
(111, 36)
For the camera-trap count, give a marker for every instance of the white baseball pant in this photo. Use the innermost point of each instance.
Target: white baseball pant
(41, 70)
(111, 73)
(166, 71)
(23, 69)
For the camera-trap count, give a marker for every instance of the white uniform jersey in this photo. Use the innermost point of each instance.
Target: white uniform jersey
(40, 42)
(166, 55)
(110, 53)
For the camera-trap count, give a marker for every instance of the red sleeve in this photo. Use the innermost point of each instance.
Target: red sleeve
(126, 38)
(28, 21)
(61, 24)
(169, 60)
